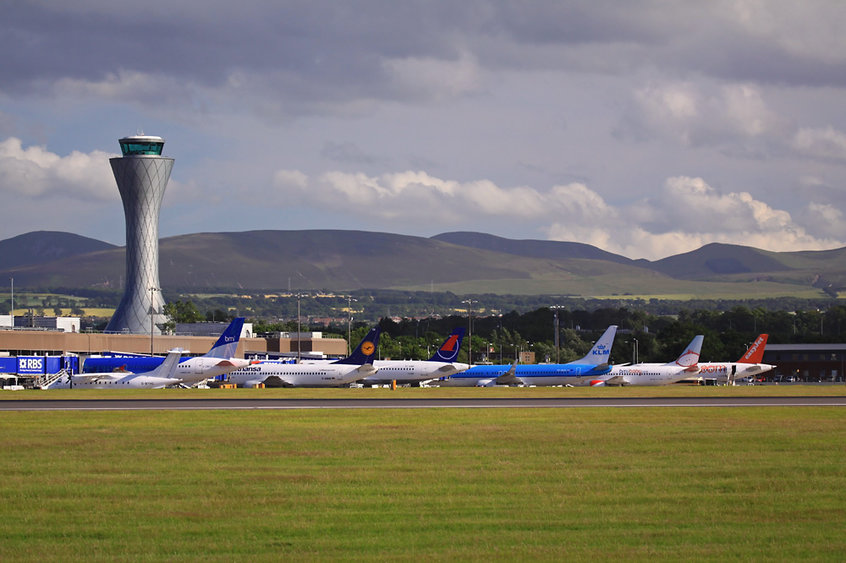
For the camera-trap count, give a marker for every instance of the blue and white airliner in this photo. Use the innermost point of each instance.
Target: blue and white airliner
(594, 364)
(220, 360)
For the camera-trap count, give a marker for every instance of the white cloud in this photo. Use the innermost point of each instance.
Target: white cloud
(824, 143)
(34, 172)
(697, 114)
(686, 214)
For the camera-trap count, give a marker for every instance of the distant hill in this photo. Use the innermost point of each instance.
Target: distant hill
(549, 249)
(463, 263)
(40, 247)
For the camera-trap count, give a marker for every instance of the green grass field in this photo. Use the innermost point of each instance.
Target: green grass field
(458, 484)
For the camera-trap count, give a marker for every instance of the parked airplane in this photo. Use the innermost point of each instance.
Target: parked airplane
(357, 365)
(219, 360)
(656, 374)
(748, 365)
(162, 376)
(441, 364)
(594, 364)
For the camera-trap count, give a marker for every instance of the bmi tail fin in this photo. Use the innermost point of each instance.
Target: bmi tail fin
(365, 352)
(755, 353)
(448, 352)
(690, 356)
(227, 344)
(601, 351)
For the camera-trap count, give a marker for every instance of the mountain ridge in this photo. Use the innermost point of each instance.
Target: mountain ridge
(462, 262)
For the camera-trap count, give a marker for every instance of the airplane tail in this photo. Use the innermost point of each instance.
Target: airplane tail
(601, 351)
(448, 352)
(227, 344)
(365, 352)
(755, 353)
(690, 356)
(168, 367)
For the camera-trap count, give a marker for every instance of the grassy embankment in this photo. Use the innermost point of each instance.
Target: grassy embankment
(467, 484)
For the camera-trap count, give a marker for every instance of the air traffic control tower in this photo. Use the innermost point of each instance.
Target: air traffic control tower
(141, 174)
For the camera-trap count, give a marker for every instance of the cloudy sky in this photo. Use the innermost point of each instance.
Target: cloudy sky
(646, 128)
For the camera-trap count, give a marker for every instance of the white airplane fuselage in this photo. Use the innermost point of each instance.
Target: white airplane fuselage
(646, 374)
(405, 371)
(299, 375)
(113, 381)
(731, 371)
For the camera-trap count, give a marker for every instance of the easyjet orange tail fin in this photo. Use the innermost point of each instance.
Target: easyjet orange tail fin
(755, 353)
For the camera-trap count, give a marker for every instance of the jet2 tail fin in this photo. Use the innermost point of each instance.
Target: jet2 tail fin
(365, 352)
(601, 351)
(755, 353)
(448, 352)
(227, 344)
(690, 356)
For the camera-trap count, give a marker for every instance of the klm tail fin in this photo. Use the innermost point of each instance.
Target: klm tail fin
(755, 353)
(690, 356)
(226, 345)
(168, 367)
(448, 352)
(601, 351)
(365, 352)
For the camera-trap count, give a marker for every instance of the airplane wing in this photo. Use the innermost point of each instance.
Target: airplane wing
(508, 377)
(98, 376)
(616, 380)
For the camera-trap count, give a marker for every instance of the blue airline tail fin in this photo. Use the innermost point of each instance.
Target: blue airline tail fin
(448, 352)
(365, 352)
(601, 351)
(226, 345)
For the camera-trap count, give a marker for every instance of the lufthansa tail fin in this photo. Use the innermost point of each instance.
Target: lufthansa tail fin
(448, 352)
(365, 352)
(601, 351)
(227, 344)
(690, 356)
(755, 353)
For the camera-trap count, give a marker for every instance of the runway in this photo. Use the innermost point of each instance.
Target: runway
(281, 404)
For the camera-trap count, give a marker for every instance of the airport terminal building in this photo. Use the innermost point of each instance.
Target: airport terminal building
(806, 362)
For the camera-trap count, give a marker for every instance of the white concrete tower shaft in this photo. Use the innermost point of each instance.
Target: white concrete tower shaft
(141, 175)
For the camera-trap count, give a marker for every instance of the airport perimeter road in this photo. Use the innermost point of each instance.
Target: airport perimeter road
(224, 404)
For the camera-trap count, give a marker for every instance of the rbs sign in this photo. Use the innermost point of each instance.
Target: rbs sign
(30, 365)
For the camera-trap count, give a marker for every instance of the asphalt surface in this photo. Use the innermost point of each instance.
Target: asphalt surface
(269, 404)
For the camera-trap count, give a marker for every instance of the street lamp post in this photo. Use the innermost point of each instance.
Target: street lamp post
(12, 310)
(555, 323)
(153, 290)
(298, 326)
(634, 351)
(349, 321)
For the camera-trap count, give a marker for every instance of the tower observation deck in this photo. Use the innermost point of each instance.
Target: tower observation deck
(141, 174)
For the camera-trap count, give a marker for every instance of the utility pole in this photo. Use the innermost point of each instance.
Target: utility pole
(470, 303)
